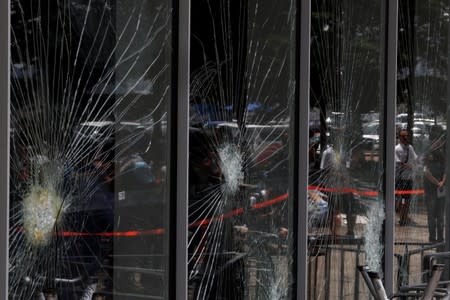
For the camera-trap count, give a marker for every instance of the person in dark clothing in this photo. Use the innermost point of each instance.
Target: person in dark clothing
(434, 180)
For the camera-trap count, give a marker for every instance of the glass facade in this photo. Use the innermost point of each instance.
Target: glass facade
(346, 212)
(421, 129)
(313, 143)
(90, 90)
(242, 92)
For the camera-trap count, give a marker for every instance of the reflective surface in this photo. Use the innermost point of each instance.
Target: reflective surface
(421, 151)
(242, 69)
(90, 84)
(346, 210)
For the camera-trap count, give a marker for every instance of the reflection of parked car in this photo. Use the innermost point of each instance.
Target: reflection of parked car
(265, 140)
(336, 120)
(104, 132)
(403, 118)
(371, 134)
(421, 129)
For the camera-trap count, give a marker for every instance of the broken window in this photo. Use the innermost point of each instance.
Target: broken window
(241, 100)
(421, 151)
(346, 210)
(90, 84)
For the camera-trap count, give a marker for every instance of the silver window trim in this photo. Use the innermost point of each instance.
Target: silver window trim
(390, 100)
(4, 142)
(303, 85)
(182, 146)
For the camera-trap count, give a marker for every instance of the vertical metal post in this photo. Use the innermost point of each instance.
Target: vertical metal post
(184, 31)
(179, 147)
(4, 142)
(327, 271)
(447, 196)
(310, 274)
(316, 269)
(390, 14)
(300, 194)
(405, 280)
(342, 273)
(358, 252)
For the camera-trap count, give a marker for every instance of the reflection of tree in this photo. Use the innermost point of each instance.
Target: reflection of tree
(345, 61)
(405, 57)
(422, 58)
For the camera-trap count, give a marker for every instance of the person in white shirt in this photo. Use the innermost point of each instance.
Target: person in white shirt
(327, 161)
(335, 175)
(405, 158)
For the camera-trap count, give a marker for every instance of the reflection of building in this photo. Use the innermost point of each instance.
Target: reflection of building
(100, 129)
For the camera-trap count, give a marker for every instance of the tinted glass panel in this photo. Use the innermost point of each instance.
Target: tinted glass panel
(346, 210)
(421, 151)
(242, 63)
(90, 84)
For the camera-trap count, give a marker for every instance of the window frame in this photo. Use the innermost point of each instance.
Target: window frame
(4, 142)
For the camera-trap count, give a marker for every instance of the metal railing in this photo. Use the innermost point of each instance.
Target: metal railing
(327, 278)
(404, 259)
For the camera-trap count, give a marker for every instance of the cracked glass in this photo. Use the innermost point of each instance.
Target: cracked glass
(241, 99)
(421, 151)
(345, 202)
(90, 87)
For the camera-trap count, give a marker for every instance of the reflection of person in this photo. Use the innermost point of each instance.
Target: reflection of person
(328, 159)
(91, 217)
(434, 179)
(335, 171)
(405, 158)
(212, 255)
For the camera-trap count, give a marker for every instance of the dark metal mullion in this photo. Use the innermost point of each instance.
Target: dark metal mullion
(389, 63)
(447, 196)
(4, 144)
(178, 123)
(301, 142)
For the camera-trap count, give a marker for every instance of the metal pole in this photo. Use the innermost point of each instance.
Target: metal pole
(407, 261)
(433, 282)
(358, 252)
(378, 285)
(389, 62)
(179, 120)
(328, 274)
(4, 142)
(447, 196)
(364, 273)
(302, 103)
(342, 273)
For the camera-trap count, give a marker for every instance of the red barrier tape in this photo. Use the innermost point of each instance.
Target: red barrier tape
(133, 233)
(362, 192)
(234, 213)
(240, 211)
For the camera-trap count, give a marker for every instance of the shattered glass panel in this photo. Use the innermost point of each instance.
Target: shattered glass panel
(421, 153)
(90, 84)
(345, 207)
(242, 88)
